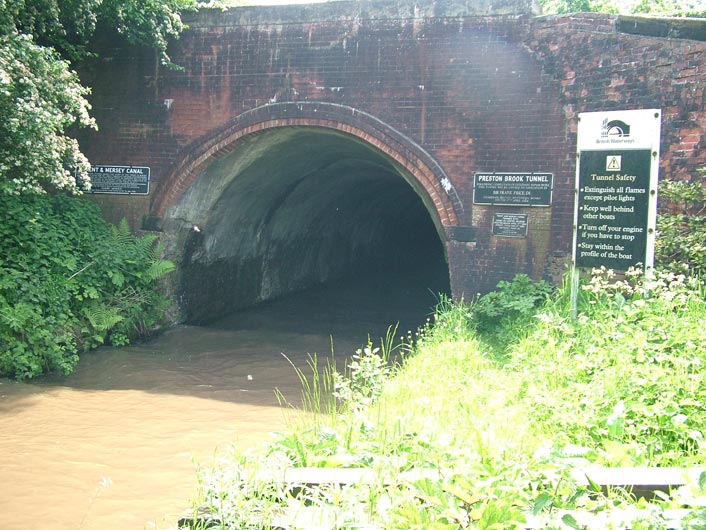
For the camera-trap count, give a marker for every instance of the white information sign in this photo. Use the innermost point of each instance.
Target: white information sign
(621, 129)
(615, 211)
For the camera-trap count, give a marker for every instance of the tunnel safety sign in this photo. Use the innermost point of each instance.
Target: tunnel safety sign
(616, 189)
(615, 207)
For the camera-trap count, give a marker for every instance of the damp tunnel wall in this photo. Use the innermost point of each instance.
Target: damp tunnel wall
(292, 208)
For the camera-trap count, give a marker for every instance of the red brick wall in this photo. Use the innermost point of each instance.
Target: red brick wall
(600, 68)
(468, 93)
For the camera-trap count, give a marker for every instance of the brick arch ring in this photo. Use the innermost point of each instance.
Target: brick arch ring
(427, 173)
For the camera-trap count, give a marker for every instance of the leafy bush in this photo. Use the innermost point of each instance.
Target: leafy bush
(504, 315)
(625, 381)
(681, 225)
(69, 282)
(513, 300)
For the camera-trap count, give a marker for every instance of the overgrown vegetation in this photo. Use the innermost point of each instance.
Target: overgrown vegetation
(481, 420)
(70, 282)
(501, 422)
(681, 245)
(670, 8)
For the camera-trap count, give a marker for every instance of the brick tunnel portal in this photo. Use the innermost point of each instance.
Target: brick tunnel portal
(295, 207)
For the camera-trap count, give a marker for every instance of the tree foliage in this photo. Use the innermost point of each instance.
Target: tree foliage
(653, 7)
(69, 25)
(681, 226)
(41, 98)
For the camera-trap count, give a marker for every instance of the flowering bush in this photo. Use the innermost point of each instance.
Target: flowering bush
(40, 98)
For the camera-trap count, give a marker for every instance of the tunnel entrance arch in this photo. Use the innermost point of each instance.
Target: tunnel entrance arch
(293, 195)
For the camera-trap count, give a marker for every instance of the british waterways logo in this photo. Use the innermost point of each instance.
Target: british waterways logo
(615, 132)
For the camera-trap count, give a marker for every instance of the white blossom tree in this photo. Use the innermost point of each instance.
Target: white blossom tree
(41, 98)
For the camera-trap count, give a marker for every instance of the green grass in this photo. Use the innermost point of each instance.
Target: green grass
(503, 412)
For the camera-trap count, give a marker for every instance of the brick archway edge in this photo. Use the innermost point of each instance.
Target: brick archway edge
(400, 148)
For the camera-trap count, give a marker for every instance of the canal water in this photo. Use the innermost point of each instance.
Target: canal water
(113, 446)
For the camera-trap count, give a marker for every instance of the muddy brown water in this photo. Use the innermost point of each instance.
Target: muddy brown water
(114, 445)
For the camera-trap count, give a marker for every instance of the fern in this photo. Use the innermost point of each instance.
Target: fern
(157, 270)
(102, 317)
(122, 235)
(146, 247)
(123, 227)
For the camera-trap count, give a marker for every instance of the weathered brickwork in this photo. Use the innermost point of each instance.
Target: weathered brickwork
(443, 97)
(601, 68)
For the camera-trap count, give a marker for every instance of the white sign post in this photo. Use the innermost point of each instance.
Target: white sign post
(615, 212)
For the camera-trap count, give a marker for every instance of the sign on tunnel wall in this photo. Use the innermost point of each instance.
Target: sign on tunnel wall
(120, 180)
(510, 224)
(513, 189)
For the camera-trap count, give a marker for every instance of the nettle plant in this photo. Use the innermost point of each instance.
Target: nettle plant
(363, 382)
(503, 316)
(514, 300)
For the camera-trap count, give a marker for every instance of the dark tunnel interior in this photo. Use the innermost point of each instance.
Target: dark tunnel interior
(294, 208)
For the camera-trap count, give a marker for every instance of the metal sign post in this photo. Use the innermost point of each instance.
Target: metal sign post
(615, 207)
